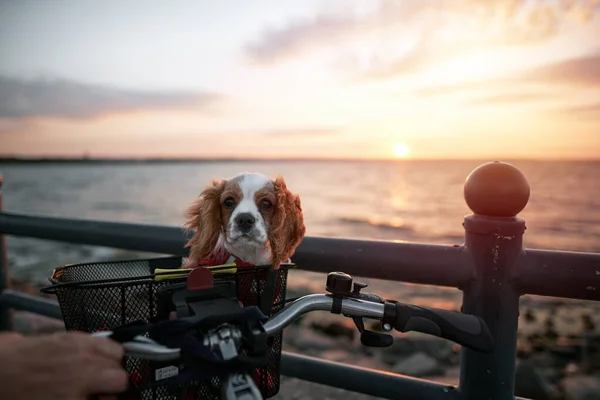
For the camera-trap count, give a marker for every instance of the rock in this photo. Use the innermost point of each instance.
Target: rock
(529, 316)
(545, 360)
(591, 352)
(402, 346)
(334, 329)
(550, 329)
(399, 349)
(337, 355)
(540, 342)
(530, 383)
(581, 387)
(572, 369)
(439, 349)
(588, 323)
(552, 374)
(309, 342)
(418, 365)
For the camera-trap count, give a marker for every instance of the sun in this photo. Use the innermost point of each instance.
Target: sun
(401, 150)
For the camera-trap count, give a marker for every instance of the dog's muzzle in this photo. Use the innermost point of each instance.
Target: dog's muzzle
(245, 222)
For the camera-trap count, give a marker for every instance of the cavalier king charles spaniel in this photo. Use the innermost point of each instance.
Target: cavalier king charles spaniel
(249, 219)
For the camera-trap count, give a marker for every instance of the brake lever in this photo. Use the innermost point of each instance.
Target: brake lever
(342, 285)
(367, 337)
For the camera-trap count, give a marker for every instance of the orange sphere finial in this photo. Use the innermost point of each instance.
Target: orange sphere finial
(496, 189)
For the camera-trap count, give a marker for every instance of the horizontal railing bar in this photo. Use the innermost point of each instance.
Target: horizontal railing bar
(407, 262)
(343, 376)
(541, 272)
(559, 274)
(439, 265)
(364, 380)
(119, 235)
(26, 302)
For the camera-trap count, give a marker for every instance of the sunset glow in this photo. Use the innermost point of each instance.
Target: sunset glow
(340, 79)
(401, 150)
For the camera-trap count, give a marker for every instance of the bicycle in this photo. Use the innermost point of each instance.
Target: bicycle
(202, 331)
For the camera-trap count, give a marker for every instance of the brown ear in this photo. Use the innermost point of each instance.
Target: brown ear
(204, 216)
(287, 228)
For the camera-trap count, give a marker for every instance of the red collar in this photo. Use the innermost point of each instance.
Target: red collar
(221, 256)
(241, 263)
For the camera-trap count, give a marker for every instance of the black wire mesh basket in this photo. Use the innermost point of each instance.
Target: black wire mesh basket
(105, 295)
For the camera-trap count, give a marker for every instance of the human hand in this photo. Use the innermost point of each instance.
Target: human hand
(61, 366)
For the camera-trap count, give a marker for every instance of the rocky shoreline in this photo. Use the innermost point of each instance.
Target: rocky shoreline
(550, 366)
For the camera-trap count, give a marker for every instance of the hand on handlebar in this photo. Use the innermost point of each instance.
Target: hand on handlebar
(59, 366)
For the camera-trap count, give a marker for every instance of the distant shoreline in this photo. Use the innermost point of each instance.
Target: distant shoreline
(158, 160)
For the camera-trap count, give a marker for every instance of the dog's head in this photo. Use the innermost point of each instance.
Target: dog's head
(254, 217)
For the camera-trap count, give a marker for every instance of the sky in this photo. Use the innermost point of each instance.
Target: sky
(420, 79)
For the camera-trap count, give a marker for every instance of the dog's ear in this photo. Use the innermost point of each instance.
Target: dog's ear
(204, 217)
(287, 229)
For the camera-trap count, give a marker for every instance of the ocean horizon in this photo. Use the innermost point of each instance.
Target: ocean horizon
(9, 159)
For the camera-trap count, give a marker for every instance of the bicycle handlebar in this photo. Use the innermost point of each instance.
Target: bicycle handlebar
(321, 302)
(464, 329)
(345, 299)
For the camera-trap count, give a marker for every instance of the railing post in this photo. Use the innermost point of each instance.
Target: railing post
(495, 192)
(5, 312)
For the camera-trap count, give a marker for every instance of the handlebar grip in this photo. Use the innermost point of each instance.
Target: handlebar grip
(465, 329)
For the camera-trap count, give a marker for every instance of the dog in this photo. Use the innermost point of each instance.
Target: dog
(248, 219)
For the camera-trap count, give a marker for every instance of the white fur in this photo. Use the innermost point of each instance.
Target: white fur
(256, 249)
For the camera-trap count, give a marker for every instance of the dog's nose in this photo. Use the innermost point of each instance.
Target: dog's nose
(245, 222)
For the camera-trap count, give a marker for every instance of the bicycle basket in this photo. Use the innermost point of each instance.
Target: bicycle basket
(105, 295)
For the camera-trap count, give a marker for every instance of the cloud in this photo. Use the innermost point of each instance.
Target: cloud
(452, 89)
(278, 44)
(511, 98)
(401, 37)
(6, 127)
(67, 99)
(413, 61)
(588, 110)
(303, 132)
(452, 30)
(579, 71)
(299, 36)
(18, 126)
(583, 72)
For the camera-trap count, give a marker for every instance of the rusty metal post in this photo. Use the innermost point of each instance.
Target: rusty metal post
(495, 192)
(5, 312)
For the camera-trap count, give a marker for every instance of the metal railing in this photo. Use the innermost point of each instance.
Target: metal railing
(491, 268)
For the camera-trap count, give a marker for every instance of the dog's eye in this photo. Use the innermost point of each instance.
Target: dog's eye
(266, 204)
(229, 202)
